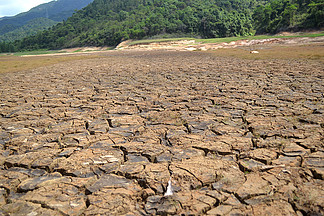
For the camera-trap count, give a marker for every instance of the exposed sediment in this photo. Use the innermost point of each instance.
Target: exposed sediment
(104, 136)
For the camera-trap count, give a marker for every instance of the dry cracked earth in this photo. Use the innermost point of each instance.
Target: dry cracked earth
(103, 136)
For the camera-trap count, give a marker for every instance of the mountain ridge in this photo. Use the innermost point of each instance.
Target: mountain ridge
(55, 11)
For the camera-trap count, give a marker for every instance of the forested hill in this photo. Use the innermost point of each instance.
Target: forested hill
(38, 18)
(108, 22)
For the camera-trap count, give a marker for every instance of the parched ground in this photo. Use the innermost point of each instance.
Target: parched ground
(105, 135)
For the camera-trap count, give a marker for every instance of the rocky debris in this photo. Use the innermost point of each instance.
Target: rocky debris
(34, 183)
(158, 205)
(253, 186)
(85, 162)
(116, 201)
(27, 208)
(61, 197)
(110, 181)
(274, 208)
(315, 162)
(109, 135)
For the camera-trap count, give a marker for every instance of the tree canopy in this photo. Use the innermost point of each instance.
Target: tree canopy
(108, 22)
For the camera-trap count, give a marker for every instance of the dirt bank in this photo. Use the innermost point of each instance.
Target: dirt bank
(191, 45)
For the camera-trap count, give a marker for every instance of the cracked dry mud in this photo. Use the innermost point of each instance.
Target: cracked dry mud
(103, 136)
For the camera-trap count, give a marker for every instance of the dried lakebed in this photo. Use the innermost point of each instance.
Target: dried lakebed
(105, 135)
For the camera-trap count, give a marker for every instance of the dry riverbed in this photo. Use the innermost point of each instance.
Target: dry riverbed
(236, 133)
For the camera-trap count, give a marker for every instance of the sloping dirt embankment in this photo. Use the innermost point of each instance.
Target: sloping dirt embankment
(192, 45)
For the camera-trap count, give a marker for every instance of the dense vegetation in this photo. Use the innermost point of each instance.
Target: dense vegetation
(279, 15)
(108, 22)
(38, 18)
(31, 28)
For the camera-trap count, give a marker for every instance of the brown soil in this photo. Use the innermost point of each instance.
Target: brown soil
(191, 45)
(104, 135)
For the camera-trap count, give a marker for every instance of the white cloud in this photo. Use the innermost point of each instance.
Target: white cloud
(13, 7)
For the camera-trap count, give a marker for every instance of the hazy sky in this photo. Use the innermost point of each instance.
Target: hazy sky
(14, 7)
